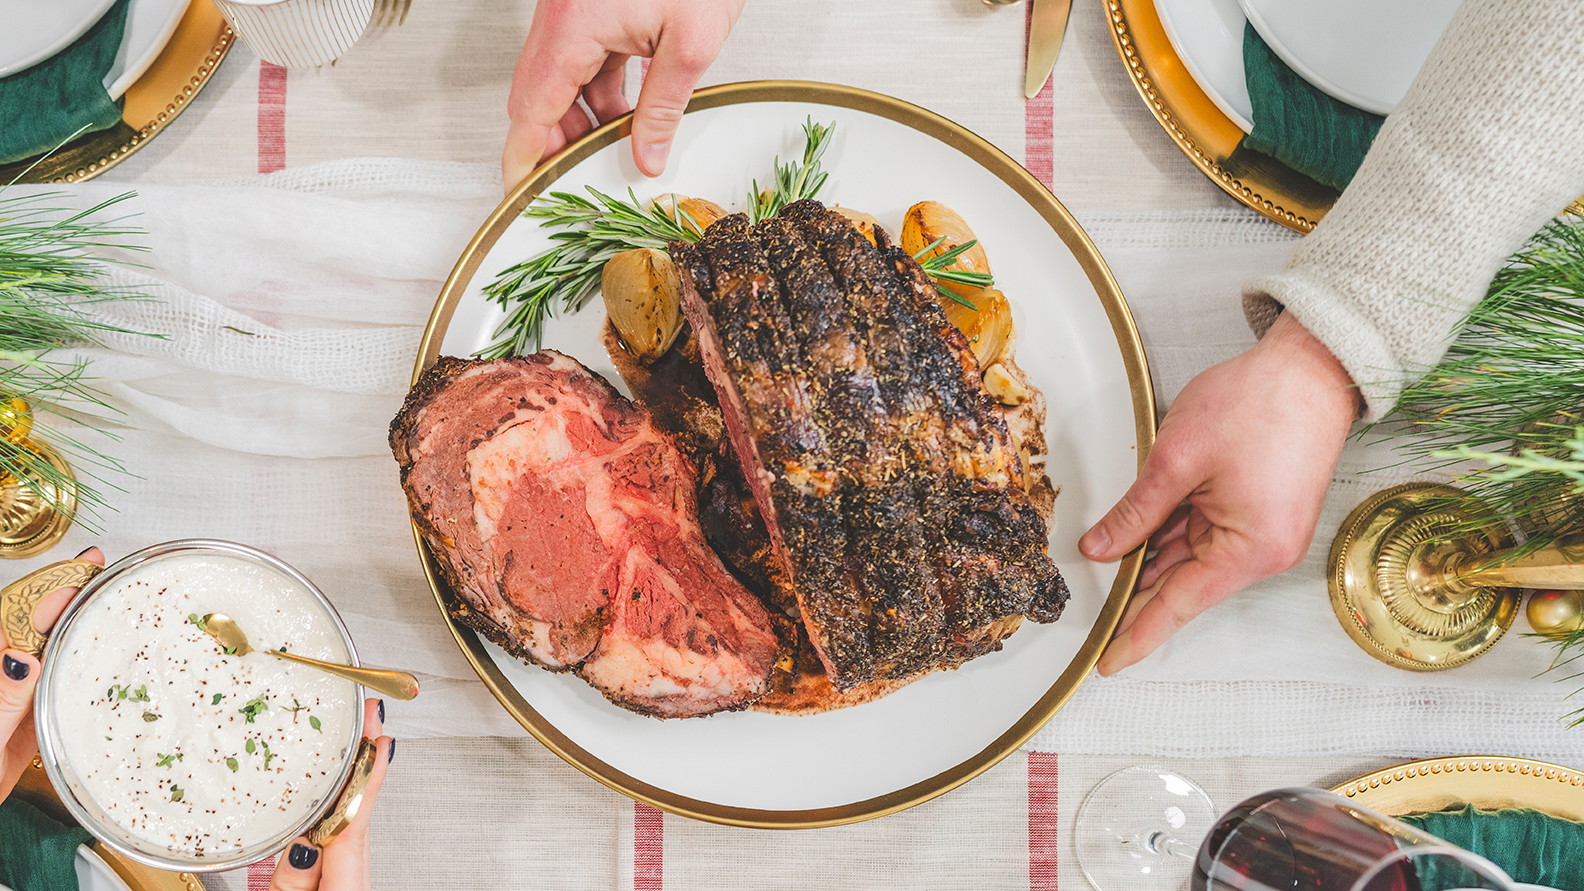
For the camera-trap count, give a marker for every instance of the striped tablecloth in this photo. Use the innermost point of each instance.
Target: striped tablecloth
(1238, 712)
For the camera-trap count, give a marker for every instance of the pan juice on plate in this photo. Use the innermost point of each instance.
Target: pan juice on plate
(183, 746)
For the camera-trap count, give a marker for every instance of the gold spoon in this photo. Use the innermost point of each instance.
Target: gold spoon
(392, 683)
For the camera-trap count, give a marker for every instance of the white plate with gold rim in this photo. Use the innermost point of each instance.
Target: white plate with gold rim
(1077, 343)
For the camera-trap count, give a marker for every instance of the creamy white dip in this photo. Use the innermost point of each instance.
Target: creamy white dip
(180, 745)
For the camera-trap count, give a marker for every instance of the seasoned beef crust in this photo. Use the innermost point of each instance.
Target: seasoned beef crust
(889, 484)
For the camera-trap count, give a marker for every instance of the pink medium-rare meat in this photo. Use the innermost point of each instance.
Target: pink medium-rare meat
(566, 525)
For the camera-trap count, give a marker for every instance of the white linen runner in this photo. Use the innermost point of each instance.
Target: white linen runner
(293, 304)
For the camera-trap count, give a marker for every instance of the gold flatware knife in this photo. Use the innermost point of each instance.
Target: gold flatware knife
(1047, 27)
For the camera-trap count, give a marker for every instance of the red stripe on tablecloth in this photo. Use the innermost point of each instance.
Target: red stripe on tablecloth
(258, 875)
(648, 848)
(271, 118)
(1042, 821)
(1039, 114)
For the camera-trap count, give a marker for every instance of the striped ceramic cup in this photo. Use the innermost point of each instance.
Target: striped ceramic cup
(298, 33)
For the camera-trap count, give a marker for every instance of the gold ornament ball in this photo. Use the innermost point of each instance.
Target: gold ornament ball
(16, 419)
(1556, 612)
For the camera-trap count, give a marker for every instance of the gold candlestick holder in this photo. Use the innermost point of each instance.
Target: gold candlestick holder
(1416, 590)
(34, 514)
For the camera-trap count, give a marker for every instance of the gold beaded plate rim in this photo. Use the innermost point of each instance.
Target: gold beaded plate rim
(34, 788)
(196, 48)
(1201, 130)
(1485, 781)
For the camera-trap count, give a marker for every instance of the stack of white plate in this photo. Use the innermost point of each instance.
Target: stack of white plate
(1363, 52)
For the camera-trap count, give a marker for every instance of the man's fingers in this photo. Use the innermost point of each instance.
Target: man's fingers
(574, 124)
(1172, 553)
(298, 869)
(679, 62)
(544, 86)
(1159, 490)
(605, 95)
(1189, 590)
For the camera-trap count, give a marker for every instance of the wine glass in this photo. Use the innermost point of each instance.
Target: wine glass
(1139, 829)
(1320, 841)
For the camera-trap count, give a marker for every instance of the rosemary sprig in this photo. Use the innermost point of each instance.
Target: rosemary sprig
(936, 268)
(796, 180)
(593, 230)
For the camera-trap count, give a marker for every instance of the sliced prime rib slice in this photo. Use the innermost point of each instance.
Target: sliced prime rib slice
(566, 525)
(890, 487)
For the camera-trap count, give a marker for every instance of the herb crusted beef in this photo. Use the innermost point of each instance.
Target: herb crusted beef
(888, 482)
(566, 525)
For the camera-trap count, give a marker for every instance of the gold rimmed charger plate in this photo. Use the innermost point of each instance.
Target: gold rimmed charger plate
(35, 788)
(1485, 781)
(1204, 133)
(1109, 341)
(200, 41)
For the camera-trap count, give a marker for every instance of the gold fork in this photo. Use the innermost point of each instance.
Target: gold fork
(388, 14)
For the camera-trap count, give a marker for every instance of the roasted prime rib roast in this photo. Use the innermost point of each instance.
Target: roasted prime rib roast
(566, 524)
(887, 480)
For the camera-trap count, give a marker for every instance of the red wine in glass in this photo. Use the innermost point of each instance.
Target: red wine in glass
(1312, 840)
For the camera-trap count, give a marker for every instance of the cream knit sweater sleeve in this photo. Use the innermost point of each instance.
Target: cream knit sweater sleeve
(1487, 145)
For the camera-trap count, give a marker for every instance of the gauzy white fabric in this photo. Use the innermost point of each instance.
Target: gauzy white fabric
(292, 305)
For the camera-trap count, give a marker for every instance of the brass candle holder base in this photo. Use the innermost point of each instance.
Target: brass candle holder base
(31, 522)
(1410, 595)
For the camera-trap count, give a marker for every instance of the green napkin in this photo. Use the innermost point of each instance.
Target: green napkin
(1298, 124)
(44, 106)
(37, 853)
(1532, 847)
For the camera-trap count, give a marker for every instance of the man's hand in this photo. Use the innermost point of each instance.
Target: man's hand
(582, 46)
(1232, 489)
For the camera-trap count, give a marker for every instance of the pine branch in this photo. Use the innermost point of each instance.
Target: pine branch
(48, 279)
(1510, 394)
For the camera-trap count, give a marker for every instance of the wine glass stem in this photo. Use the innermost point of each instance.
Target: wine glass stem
(1158, 842)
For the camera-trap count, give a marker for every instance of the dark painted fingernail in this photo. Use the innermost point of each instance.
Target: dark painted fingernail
(302, 856)
(85, 552)
(16, 669)
(391, 754)
(381, 709)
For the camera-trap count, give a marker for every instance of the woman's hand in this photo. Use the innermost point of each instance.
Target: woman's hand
(19, 673)
(581, 47)
(343, 864)
(1232, 489)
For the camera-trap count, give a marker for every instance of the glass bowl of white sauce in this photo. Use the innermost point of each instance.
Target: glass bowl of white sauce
(174, 752)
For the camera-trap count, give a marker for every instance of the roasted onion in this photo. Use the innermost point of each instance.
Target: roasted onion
(695, 213)
(863, 222)
(988, 327)
(643, 299)
(928, 221)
